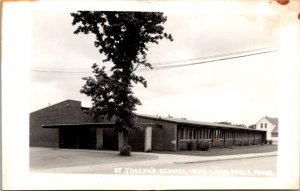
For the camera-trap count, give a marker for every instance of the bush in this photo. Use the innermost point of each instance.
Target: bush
(203, 145)
(270, 142)
(266, 141)
(190, 145)
(240, 143)
(125, 150)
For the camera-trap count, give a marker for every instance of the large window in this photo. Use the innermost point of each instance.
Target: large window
(274, 134)
(266, 125)
(181, 133)
(195, 133)
(190, 133)
(199, 133)
(261, 125)
(185, 133)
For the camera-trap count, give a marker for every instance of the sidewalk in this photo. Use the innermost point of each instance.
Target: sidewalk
(149, 160)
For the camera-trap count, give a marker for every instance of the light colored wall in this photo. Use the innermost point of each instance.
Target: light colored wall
(269, 128)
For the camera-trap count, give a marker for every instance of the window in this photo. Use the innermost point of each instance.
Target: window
(181, 133)
(195, 134)
(185, 134)
(190, 134)
(266, 125)
(274, 134)
(261, 125)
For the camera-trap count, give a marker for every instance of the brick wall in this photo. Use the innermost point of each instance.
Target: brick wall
(163, 138)
(64, 112)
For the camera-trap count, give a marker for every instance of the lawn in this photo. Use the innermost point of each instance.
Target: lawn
(233, 150)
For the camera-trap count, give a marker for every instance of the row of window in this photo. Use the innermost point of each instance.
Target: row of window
(193, 134)
(274, 134)
(262, 125)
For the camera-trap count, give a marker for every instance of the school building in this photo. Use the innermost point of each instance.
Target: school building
(66, 125)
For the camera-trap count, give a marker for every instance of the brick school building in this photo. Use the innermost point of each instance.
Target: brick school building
(66, 125)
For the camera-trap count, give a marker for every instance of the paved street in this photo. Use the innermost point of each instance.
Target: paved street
(108, 162)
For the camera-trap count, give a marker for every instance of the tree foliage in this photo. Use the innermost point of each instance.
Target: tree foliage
(123, 38)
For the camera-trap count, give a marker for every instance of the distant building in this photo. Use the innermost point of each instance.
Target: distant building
(66, 125)
(270, 125)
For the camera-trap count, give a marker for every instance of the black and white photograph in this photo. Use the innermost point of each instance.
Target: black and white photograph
(150, 94)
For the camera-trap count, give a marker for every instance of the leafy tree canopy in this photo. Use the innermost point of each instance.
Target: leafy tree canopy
(122, 37)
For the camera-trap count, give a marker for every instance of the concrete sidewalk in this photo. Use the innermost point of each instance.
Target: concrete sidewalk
(154, 160)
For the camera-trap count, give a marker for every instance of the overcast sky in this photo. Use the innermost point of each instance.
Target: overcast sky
(240, 90)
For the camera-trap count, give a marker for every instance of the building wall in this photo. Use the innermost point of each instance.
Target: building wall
(261, 126)
(163, 138)
(64, 112)
(216, 137)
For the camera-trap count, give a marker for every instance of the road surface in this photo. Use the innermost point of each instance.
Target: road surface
(69, 161)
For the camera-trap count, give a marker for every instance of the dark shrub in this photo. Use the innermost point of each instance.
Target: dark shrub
(203, 145)
(125, 150)
(190, 145)
(248, 143)
(266, 141)
(270, 142)
(240, 143)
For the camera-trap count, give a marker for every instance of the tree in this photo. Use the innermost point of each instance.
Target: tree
(225, 123)
(122, 37)
(253, 126)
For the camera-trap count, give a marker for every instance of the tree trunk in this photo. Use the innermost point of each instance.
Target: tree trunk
(125, 138)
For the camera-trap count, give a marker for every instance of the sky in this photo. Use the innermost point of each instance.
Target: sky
(240, 90)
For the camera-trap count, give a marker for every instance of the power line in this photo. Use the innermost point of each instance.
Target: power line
(202, 62)
(172, 64)
(214, 56)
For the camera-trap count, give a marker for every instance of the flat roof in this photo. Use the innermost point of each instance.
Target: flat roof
(195, 123)
(180, 122)
(94, 125)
